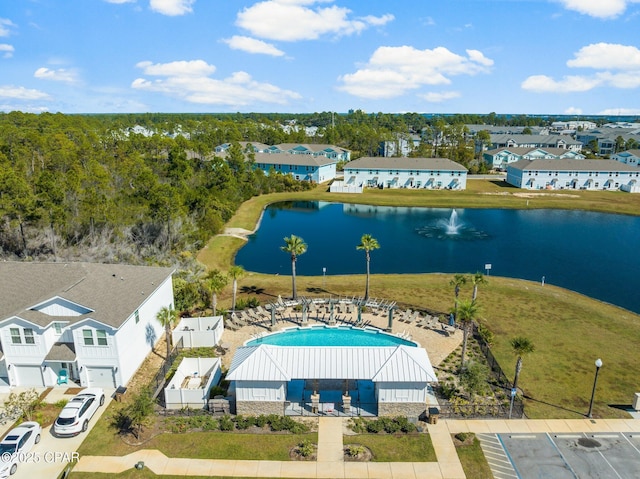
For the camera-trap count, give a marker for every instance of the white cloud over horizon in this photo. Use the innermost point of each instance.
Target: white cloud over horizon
(61, 75)
(252, 45)
(393, 71)
(440, 97)
(620, 111)
(572, 110)
(294, 20)
(6, 50)
(618, 65)
(598, 8)
(21, 93)
(191, 81)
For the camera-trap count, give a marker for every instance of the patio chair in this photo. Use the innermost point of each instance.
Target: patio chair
(63, 377)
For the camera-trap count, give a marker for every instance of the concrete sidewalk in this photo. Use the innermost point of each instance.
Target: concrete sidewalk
(330, 462)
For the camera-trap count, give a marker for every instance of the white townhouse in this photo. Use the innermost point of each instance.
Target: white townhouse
(97, 322)
(430, 173)
(574, 174)
(329, 151)
(629, 157)
(317, 169)
(499, 158)
(256, 146)
(535, 141)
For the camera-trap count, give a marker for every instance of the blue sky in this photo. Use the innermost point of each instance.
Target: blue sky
(577, 57)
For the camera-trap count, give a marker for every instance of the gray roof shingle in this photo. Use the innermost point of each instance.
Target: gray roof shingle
(403, 163)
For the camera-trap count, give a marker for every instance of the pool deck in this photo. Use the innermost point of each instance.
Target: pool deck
(437, 344)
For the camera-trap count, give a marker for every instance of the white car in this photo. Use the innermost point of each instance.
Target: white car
(74, 417)
(15, 446)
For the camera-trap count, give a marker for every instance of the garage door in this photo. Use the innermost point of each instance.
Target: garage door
(29, 375)
(101, 377)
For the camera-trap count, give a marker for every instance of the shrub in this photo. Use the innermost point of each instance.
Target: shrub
(448, 389)
(375, 427)
(354, 450)
(463, 436)
(245, 422)
(261, 420)
(305, 448)
(485, 333)
(226, 423)
(358, 425)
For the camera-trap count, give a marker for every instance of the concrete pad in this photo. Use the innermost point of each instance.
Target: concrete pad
(478, 426)
(427, 469)
(455, 426)
(497, 426)
(538, 425)
(269, 468)
(153, 459)
(402, 470)
(379, 470)
(558, 425)
(356, 470)
(331, 470)
(242, 469)
(199, 467)
(518, 425)
(298, 469)
(176, 466)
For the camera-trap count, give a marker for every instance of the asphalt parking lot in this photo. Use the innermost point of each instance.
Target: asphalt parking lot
(573, 455)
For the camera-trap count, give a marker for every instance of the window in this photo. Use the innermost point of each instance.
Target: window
(88, 337)
(101, 334)
(28, 336)
(58, 328)
(15, 336)
(137, 316)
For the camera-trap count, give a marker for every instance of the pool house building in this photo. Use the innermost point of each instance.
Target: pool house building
(332, 380)
(429, 173)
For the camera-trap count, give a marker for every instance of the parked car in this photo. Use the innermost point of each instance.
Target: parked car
(74, 417)
(16, 444)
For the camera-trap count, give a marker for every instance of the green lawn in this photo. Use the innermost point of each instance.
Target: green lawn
(473, 461)
(396, 448)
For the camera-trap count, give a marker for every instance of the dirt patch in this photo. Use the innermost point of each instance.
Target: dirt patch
(535, 195)
(357, 453)
(74, 390)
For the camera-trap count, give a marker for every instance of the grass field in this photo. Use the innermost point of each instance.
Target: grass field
(570, 331)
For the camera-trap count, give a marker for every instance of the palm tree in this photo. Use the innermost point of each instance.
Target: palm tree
(467, 313)
(167, 317)
(368, 243)
(235, 273)
(457, 281)
(521, 346)
(215, 281)
(295, 246)
(477, 279)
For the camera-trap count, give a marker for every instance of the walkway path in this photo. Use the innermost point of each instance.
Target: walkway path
(330, 462)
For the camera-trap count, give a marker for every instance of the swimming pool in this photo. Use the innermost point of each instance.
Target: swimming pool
(331, 336)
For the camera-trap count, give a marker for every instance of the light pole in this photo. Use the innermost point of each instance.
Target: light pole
(324, 276)
(595, 381)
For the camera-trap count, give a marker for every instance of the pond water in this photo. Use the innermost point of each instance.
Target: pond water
(595, 254)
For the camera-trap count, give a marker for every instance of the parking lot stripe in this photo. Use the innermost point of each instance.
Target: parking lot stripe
(564, 459)
(567, 436)
(632, 444)
(606, 436)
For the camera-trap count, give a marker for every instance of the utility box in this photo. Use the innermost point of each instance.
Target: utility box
(636, 402)
(434, 412)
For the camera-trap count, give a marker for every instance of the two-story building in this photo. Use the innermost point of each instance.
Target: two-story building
(95, 321)
(535, 141)
(499, 158)
(312, 149)
(315, 168)
(430, 173)
(574, 174)
(629, 157)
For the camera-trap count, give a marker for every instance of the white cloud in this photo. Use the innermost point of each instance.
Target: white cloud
(604, 56)
(620, 111)
(572, 110)
(191, 81)
(568, 84)
(172, 7)
(619, 67)
(5, 27)
(392, 71)
(439, 97)
(252, 45)
(598, 8)
(119, 1)
(6, 50)
(21, 93)
(193, 68)
(60, 74)
(292, 20)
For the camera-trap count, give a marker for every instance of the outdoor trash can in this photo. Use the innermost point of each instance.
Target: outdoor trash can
(434, 412)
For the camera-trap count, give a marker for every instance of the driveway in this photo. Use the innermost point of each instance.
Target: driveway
(53, 454)
(573, 455)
